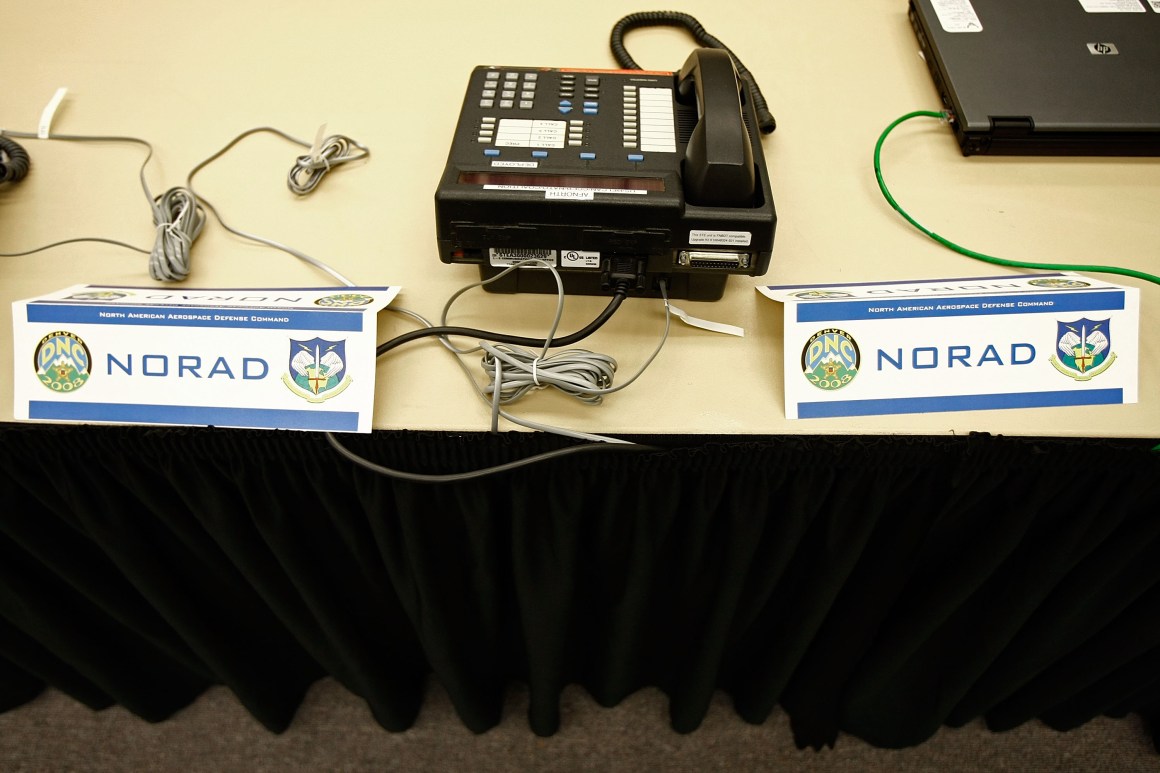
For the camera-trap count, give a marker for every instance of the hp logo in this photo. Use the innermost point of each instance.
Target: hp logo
(1103, 49)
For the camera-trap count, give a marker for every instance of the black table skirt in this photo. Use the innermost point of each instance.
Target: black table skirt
(878, 586)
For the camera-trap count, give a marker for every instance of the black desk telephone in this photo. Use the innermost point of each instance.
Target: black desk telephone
(612, 176)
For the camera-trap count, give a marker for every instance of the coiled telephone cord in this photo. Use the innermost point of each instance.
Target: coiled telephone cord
(14, 161)
(765, 118)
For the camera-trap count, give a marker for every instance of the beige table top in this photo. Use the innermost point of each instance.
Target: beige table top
(191, 78)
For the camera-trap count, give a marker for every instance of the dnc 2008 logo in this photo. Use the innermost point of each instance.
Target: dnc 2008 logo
(830, 359)
(345, 300)
(62, 361)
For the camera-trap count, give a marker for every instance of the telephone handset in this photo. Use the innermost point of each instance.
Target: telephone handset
(718, 167)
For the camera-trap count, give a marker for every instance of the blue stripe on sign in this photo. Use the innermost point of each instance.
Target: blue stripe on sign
(973, 279)
(821, 410)
(260, 418)
(187, 316)
(209, 294)
(1028, 303)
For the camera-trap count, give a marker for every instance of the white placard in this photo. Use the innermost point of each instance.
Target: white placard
(293, 358)
(1039, 340)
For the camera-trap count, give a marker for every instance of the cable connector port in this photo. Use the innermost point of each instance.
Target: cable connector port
(729, 261)
(628, 272)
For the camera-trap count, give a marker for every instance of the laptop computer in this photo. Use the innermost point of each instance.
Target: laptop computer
(1046, 77)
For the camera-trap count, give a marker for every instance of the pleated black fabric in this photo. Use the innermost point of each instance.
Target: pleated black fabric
(881, 587)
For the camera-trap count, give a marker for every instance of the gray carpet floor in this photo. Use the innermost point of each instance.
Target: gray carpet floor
(333, 731)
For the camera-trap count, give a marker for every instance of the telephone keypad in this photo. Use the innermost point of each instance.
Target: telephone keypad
(508, 90)
(515, 106)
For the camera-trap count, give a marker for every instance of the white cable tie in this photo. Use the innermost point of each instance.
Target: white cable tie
(316, 149)
(49, 111)
(535, 372)
(704, 324)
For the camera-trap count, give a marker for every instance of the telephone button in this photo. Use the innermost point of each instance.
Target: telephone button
(565, 110)
(588, 156)
(487, 104)
(505, 103)
(636, 157)
(539, 154)
(591, 111)
(491, 152)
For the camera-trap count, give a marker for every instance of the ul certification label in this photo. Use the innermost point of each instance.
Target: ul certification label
(957, 15)
(579, 259)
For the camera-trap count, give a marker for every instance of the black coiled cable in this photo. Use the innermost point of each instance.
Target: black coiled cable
(765, 118)
(14, 161)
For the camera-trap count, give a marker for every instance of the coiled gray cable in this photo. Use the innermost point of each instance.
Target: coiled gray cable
(514, 371)
(335, 146)
(179, 219)
(309, 169)
(179, 214)
(176, 215)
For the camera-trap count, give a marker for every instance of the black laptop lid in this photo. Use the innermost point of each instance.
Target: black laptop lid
(1078, 71)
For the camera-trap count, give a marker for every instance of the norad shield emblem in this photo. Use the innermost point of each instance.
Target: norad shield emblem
(317, 369)
(1083, 348)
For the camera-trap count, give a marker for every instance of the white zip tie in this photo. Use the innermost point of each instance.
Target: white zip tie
(49, 111)
(705, 324)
